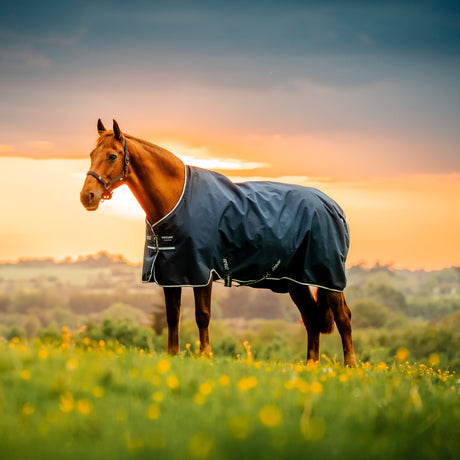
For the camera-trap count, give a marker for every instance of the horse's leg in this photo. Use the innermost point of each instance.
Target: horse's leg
(172, 299)
(203, 315)
(342, 316)
(304, 301)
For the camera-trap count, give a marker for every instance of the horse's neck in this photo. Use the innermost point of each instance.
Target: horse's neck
(156, 178)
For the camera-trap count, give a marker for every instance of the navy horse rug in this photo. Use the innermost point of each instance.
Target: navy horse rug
(260, 234)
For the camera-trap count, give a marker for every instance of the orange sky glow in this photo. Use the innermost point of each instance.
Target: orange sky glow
(407, 221)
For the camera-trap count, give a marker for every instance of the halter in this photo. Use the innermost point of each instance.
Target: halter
(107, 184)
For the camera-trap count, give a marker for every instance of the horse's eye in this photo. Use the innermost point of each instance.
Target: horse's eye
(112, 156)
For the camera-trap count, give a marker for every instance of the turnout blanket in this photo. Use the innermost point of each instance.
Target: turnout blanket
(260, 234)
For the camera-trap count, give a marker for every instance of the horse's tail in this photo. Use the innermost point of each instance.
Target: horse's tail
(324, 317)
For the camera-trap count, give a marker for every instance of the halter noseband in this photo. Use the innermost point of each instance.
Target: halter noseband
(107, 184)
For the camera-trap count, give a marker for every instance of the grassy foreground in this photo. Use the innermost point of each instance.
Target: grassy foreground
(99, 400)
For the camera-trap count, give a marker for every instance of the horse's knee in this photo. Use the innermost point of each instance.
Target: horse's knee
(172, 319)
(202, 318)
(203, 306)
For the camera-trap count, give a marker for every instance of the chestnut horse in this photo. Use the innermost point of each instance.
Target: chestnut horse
(156, 178)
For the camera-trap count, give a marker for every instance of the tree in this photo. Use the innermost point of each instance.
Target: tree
(369, 313)
(388, 296)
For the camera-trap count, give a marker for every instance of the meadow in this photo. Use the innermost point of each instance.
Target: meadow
(82, 398)
(83, 373)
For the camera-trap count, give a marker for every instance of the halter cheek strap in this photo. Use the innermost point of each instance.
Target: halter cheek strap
(107, 184)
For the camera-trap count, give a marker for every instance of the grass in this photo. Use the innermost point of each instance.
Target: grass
(103, 400)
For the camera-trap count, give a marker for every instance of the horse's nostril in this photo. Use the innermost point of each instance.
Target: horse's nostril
(90, 196)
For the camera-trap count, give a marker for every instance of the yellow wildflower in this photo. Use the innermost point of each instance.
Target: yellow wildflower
(298, 367)
(84, 406)
(224, 380)
(26, 374)
(72, 364)
(66, 402)
(270, 416)
(245, 384)
(200, 446)
(248, 352)
(28, 409)
(206, 388)
(163, 366)
(43, 353)
(433, 359)
(316, 387)
(415, 398)
(381, 366)
(173, 382)
(98, 392)
(302, 386)
(153, 412)
(402, 354)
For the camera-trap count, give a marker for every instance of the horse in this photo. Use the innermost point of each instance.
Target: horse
(163, 185)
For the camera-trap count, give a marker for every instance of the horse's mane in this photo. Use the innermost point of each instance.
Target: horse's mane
(107, 139)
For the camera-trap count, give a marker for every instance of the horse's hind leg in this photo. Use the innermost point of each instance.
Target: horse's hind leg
(307, 306)
(342, 316)
(203, 315)
(172, 299)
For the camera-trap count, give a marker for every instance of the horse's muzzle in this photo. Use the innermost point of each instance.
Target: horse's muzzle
(90, 199)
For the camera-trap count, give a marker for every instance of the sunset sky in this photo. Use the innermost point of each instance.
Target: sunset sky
(360, 99)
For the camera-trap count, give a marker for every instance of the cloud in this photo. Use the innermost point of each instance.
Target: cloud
(202, 158)
(23, 55)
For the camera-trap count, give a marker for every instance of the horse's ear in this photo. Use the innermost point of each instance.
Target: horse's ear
(116, 131)
(100, 127)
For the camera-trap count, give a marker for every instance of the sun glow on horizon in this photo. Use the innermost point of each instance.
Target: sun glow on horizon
(408, 221)
(203, 158)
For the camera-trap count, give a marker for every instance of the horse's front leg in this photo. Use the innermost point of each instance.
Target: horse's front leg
(203, 315)
(306, 304)
(172, 300)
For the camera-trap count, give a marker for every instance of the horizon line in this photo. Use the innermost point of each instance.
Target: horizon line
(69, 260)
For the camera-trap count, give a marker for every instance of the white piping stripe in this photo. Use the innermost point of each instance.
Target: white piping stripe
(237, 281)
(175, 206)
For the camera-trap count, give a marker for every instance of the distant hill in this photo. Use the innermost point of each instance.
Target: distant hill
(100, 260)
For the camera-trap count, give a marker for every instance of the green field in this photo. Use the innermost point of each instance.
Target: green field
(99, 400)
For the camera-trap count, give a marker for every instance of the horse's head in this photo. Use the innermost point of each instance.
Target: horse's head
(109, 167)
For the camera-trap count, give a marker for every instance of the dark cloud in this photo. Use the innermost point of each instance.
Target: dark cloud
(292, 28)
(378, 67)
(252, 44)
